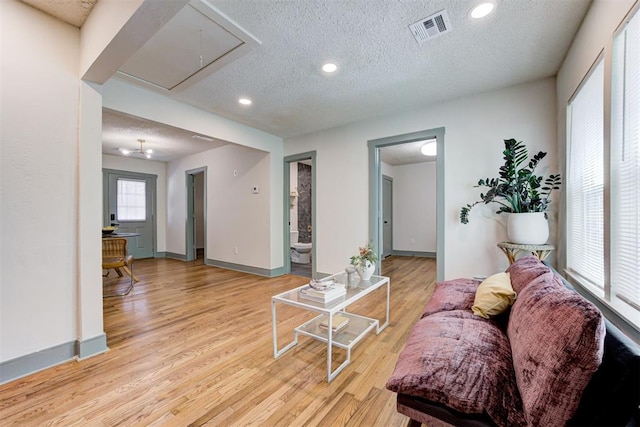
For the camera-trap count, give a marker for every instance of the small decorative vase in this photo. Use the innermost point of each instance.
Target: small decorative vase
(351, 272)
(529, 228)
(366, 272)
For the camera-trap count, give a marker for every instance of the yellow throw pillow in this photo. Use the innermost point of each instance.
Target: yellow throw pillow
(493, 296)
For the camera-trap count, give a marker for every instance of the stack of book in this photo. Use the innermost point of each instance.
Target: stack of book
(339, 323)
(330, 293)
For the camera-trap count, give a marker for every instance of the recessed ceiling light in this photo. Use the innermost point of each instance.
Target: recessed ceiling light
(244, 101)
(430, 148)
(482, 10)
(329, 67)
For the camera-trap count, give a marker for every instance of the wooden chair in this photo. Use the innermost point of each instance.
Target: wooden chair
(115, 255)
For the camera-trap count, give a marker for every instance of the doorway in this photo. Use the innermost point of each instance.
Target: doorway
(387, 216)
(376, 190)
(300, 238)
(195, 233)
(129, 204)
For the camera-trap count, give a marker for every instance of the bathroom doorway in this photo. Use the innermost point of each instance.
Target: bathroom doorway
(417, 196)
(196, 181)
(300, 201)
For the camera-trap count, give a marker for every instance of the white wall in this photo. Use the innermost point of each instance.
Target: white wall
(38, 181)
(386, 169)
(150, 167)
(236, 218)
(414, 207)
(475, 128)
(121, 96)
(594, 36)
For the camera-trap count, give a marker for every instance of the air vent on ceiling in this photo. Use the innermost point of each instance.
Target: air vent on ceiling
(430, 27)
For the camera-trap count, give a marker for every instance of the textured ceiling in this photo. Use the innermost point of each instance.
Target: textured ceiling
(382, 69)
(73, 12)
(405, 154)
(121, 130)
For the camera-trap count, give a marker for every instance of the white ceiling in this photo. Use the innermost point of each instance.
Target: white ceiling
(382, 69)
(121, 130)
(405, 154)
(72, 12)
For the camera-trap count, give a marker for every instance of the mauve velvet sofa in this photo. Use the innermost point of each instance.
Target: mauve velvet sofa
(551, 360)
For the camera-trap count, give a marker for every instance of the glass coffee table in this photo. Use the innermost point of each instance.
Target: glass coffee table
(345, 338)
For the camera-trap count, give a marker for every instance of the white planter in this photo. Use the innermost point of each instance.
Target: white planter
(367, 272)
(530, 228)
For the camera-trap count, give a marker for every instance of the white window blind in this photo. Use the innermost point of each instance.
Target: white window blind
(131, 200)
(625, 169)
(585, 202)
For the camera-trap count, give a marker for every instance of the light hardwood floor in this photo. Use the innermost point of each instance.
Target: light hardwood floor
(192, 345)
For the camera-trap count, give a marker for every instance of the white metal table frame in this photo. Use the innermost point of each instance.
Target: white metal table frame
(357, 328)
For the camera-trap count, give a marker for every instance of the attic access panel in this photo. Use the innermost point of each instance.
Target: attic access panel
(196, 42)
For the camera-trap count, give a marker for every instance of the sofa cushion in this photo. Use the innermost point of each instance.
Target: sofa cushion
(494, 296)
(462, 361)
(556, 340)
(525, 270)
(450, 295)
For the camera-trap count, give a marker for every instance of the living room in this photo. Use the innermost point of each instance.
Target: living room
(51, 300)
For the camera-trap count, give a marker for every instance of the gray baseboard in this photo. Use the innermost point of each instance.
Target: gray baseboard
(414, 253)
(28, 364)
(92, 346)
(38, 361)
(245, 268)
(173, 255)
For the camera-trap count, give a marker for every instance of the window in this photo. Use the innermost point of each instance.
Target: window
(618, 286)
(625, 172)
(131, 200)
(585, 181)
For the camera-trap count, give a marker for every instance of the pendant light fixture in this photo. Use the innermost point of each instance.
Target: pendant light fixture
(141, 152)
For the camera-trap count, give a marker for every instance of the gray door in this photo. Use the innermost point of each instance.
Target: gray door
(387, 216)
(130, 204)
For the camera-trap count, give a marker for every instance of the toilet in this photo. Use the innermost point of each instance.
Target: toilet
(300, 252)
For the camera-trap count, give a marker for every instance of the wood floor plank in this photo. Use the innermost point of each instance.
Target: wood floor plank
(192, 345)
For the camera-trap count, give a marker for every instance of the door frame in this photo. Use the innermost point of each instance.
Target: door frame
(133, 175)
(190, 253)
(375, 189)
(287, 209)
(390, 179)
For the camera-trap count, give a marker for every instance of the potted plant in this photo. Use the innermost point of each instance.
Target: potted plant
(518, 190)
(365, 261)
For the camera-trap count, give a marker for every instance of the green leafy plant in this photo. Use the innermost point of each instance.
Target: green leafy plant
(517, 188)
(364, 254)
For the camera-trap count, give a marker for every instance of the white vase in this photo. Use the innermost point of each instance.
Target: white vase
(528, 228)
(366, 272)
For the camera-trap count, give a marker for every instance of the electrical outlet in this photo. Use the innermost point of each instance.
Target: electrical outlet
(235, 250)
(235, 172)
(412, 240)
(256, 189)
